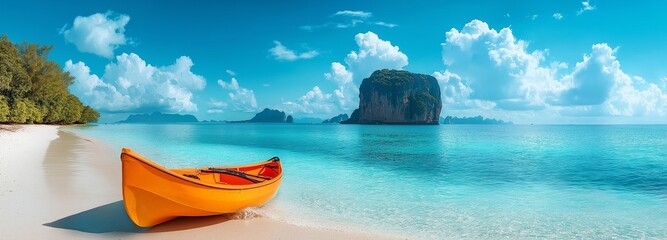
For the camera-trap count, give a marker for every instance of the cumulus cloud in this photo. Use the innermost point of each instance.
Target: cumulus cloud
(586, 6)
(598, 83)
(356, 14)
(230, 72)
(452, 87)
(313, 102)
(492, 71)
(93, 91)
(347, 92)
(373, 54)
(557, 16)
(130, 84)
(241, 99)
(280, 52)
(499, 68)
(593, 78)
(100, 33)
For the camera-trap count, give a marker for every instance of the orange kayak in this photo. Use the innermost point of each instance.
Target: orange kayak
(154, 194)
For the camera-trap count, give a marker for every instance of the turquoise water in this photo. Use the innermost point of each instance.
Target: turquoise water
(434, 182)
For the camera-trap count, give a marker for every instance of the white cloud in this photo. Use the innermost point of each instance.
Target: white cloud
(586, 6)
(130, 84)
(347, 92)
(216, 106)
(534, 17)
(558, 16)
(452, 87)
(242, 99)
(593, 78)
(373, 54)
(339, 74)
(352, 23)
(355, 14)
(92, 91)
(389, 25)
(180, 74)
(313, 102)
(490, 71)
(230, 72)
(349, 19)
(99, 33)
(498, 68)
(215, 111)
(280, 52)
(598, 84)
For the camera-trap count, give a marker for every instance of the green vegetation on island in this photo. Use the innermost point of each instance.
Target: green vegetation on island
(34, 89)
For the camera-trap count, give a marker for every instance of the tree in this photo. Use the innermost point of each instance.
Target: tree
(72, 110)
(34, 89)
(46, 77)
(19, 112)
(55, 107)
(4, 110)
(35, 113)
(88, 115)
(14, 82)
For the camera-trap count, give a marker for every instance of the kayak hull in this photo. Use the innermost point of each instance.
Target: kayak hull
(153, 194)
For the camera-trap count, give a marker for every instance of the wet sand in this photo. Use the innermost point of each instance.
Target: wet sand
(57, 185)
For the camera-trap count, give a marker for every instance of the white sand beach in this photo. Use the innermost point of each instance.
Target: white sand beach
(57, 185)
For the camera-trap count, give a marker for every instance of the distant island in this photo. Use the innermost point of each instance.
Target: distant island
(158, 117)
(473, 120)
(337, 119)
(397, 97)
(33, 89)
(268, 116)
(308, 120)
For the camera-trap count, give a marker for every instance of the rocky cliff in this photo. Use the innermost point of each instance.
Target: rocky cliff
(337, 119)
(268, 116)
(397, 97)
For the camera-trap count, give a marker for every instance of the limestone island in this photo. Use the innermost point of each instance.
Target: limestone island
(398, 97)
(473, 120)
(337, 119)
(268, 116)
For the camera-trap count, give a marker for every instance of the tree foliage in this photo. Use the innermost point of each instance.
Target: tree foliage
(88, 115)
(4, 109)
(34, 89)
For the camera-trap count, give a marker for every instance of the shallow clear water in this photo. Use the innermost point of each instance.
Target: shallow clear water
(434, 182)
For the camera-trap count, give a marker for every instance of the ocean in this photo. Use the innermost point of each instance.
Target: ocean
(435, 182)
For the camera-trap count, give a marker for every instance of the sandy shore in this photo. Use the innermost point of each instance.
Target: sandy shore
(56, 185)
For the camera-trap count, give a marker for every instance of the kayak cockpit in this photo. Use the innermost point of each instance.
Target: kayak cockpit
(234, 176)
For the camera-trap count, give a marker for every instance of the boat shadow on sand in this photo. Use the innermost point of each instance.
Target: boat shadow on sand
(112, 218)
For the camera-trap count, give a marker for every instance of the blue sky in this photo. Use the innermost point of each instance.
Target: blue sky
(523, 61)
